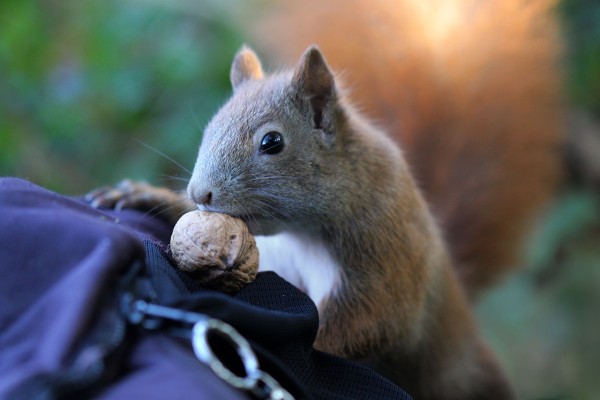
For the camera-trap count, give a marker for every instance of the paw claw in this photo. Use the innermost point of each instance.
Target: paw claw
(92, 195)
(131, 194)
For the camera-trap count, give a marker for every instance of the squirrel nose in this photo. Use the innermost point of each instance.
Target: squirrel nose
(200, 196)
(206, 199)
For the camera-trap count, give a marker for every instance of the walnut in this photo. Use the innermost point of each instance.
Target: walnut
(218, 250)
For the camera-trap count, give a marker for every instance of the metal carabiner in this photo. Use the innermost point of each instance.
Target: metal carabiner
(255, 380)
(201, 333)
(207, 333)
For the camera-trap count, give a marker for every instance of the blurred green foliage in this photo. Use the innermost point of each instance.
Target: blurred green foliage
(97, 90)
(543, 322)
(582, 32)
(83, 84)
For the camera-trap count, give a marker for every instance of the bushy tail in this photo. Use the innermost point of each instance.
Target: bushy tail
(471, 90)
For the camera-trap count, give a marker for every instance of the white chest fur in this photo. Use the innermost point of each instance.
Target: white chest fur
(302, 261)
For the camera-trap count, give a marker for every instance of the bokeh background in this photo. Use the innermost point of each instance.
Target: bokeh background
(97, 90)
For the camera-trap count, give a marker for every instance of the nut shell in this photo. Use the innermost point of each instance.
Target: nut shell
(218, 250)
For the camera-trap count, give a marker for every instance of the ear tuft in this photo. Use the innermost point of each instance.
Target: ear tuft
(245, 66)
(314, 81)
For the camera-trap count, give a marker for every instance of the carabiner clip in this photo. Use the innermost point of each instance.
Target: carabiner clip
(207, 332)
(254, 380)
(201, 334)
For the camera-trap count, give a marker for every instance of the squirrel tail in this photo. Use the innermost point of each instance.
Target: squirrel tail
(472, 92)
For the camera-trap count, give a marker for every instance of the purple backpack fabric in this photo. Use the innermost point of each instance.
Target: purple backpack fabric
(66, 271)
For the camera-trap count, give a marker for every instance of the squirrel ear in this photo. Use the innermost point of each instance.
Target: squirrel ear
(314, 81)
(246, 65)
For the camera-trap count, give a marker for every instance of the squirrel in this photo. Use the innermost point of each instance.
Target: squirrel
(394, 227)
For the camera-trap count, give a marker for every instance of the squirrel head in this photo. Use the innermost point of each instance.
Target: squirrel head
(272, 153)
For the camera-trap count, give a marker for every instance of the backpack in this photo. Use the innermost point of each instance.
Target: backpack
(92, 306)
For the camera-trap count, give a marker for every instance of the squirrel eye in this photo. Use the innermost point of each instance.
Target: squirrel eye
(271, 143)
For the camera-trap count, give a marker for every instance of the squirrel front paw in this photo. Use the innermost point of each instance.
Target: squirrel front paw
(125, 194)
(162, 202)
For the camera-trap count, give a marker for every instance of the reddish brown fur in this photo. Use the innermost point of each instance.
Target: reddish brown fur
(471, 91)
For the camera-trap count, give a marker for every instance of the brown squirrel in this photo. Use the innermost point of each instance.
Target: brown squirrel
(330, 196)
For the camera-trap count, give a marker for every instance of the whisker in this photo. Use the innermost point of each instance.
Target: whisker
(195, 117)
(266, 179)
(165, 156)
(273, 197)
(175, 178)
(264, 207)
(166, 208)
